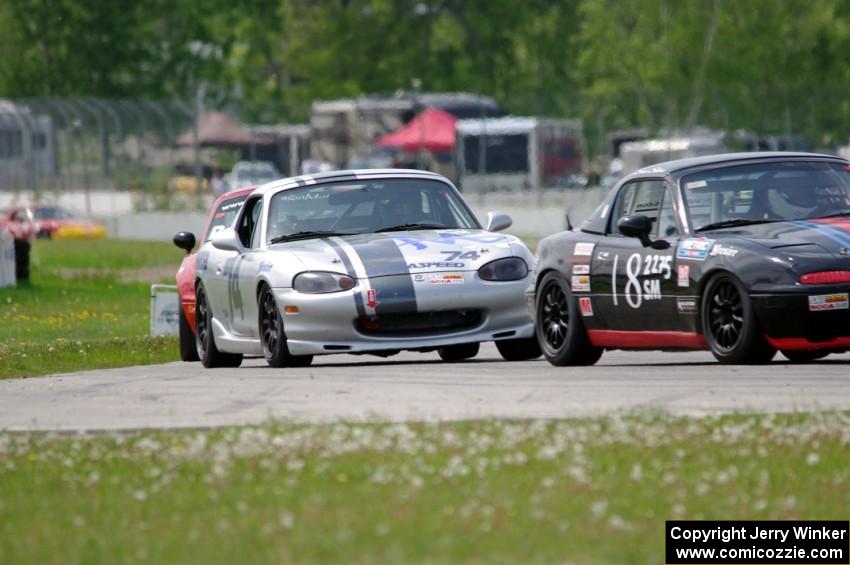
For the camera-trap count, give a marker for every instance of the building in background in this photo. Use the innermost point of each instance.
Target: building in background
(344, 130)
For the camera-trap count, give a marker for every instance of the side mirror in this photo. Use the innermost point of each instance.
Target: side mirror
(227, 240)
(636, 225)
(185, 240)
(498, 221)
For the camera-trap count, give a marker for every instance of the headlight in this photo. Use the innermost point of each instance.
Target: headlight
(507, 269)
(321, 282)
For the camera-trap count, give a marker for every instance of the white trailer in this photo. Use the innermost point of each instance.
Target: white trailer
(519, 153)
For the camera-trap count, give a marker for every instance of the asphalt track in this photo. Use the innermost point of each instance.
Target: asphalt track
(416, 386)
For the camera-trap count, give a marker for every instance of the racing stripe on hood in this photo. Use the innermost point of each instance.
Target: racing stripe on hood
(842, 224)
(836, 235)
(388, 275)
(338, 246)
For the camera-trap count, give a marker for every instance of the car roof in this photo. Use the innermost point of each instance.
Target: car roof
(669, 167)
(347, 175)
(233, 194)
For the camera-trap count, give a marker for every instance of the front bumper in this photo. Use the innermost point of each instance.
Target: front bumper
(327, 323)
(796, 321)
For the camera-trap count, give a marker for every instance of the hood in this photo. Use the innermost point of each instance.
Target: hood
(832, 235)
(398, 253)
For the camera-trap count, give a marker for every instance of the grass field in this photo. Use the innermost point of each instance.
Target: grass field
(86, 307)
(573, 491)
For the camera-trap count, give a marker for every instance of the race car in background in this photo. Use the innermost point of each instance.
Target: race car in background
(741, 254)
(222, 213)
(50, 222)
(374, 261)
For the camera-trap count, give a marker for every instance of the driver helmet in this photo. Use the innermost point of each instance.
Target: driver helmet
(801, 196)
(404, 206)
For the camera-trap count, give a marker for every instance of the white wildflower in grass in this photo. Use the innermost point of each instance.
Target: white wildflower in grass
(678, 510)
(577, 473)
(417, 482)
(294, 465)
(382, 530)
(812, 459)
(618, 523)
(702, 489)
(598, 508)
(140, 495)
(760, 505)
(547, 482)
(636, 473)
(286, 520)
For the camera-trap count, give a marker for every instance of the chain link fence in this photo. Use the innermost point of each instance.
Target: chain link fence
(52, 145)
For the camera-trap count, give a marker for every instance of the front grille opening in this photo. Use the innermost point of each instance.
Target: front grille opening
(415, 324)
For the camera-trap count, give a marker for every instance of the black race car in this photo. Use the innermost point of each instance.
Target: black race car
(743, 254)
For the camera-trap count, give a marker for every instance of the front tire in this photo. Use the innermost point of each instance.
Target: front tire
(459, 352)
(730, 326)
(272, 336)
(208, 353)
(805, 356)
(559, 327)
(519, 349)
(188, 349)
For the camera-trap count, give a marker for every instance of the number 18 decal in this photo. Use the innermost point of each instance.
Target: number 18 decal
(634, 291)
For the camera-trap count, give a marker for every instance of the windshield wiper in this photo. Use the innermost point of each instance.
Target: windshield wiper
(734, 222)
(306, 235)
(401, 227)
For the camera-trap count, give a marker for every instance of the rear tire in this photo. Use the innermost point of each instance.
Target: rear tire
(188, 349)
(559, 327)
(805, 356)
(730, 326)
(208, 353)
(272, 336)
(459, 352)
(519, 349)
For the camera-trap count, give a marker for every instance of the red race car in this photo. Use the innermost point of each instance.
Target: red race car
(223, 212)
(47, 221)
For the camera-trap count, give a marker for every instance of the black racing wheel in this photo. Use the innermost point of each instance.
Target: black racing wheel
(272, 336)
(519, 349)
(459, 352)
(729, 323)
(209, 354)
(560, 329)
(188, 350)
(805, 356)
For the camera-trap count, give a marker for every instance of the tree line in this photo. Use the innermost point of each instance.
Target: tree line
(766, 66)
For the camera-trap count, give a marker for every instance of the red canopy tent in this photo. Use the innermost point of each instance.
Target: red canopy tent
(433, 130)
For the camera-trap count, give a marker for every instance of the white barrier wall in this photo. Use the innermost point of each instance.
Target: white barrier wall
(539, 213)
(534, 214)
(7, 259)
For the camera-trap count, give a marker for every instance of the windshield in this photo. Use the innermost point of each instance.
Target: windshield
(368, 206)
(791, 190)
(224, 215)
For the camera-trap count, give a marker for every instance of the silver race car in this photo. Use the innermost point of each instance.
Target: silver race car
(373, 261)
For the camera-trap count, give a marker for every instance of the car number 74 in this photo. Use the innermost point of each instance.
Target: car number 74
(453, 255)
